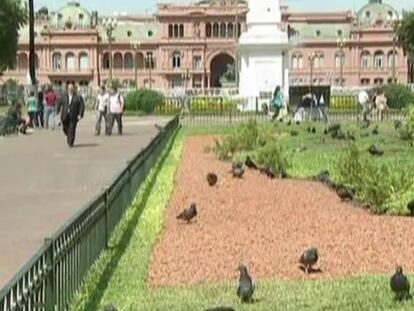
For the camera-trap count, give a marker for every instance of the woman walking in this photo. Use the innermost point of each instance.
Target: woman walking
(32, 107)
(278, 102)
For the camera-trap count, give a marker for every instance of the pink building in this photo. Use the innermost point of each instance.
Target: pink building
(191, 45)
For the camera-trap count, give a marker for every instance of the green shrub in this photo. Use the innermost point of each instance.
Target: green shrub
(144, 100)
(398, 96)
(376, 184)
(345, 102)
(397, 203)
(407, 130)
(212, 105)
(275, 156)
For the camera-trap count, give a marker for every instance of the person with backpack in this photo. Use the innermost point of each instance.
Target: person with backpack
(101, 108)
(116, 109)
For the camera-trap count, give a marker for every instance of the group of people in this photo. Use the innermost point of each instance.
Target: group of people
(41, 108)
(375, 103)
(109, 106)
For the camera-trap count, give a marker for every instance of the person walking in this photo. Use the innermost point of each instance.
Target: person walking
(72, 109)
(322, 108)
(40, 108)
(116, 108)
(363, 99)
(51, 101)
(381, 104)
(278, 102)
(32, 107)
(101, 107)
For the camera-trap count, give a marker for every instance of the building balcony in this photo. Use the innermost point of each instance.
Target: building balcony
(69, 72)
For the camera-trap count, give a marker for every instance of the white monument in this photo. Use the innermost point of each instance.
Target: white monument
(263, 51)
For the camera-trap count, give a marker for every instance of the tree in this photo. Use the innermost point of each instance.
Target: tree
(12, 16)
(405, 33)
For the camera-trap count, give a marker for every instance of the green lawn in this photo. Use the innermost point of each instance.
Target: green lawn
(120, 276)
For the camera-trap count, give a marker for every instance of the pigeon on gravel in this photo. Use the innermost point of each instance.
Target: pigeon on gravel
(309, 258)
(400, 285)
(189, 213)
(323, 177)
(212, 179)
(246, 286)
(375, 150)
(235, 165)
(220, 309)
(268, 171)
(110, 308)
(250, 164)
(238, 172)
(344, 193)
(410, 207)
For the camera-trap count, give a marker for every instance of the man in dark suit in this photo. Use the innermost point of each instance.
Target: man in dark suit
(73, 108)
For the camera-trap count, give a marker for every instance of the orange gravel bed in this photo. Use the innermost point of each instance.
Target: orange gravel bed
(267, 224)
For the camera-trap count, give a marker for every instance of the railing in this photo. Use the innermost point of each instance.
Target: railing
(50, 279)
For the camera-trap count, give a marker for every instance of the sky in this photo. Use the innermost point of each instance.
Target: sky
(148, 6)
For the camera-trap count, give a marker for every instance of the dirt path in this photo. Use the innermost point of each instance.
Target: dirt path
(267, 224)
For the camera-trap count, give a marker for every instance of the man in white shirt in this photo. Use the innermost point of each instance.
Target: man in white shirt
(101, 107)
(363, 99)
(116, 108)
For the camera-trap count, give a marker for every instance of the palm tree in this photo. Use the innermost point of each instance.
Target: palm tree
(32, 55)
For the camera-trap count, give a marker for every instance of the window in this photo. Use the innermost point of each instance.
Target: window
(83, 61)
(379, 60)
(208, 30)
(70, 61)
(339, 32)
(223, 30)
(230, 30)
(181, 31)
(176, 60)
(379, 81)
(57, 61)
(118, 61)
(170, 31)
(150, 61)
(318, 33)
(338, 58)
(150, 33)
(197, 62)
(176, 30)
(215, 30)
(128, 61)
(319, 61)
(392, 59)
(294, 62)
(365, 81)
(106, 61)
(59, 20)
(81, 17)
(365, 60)
(22, 63)
(129, 33)
(367, 14)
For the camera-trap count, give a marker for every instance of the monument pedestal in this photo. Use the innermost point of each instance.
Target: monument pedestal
(264, 53)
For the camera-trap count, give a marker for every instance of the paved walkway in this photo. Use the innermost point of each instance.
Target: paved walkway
(43, 182)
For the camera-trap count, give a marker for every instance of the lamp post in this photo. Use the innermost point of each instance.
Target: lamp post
(394, 21)
(341, 44)
(311, 58)
(110, 25)
(149, 60)
(135, 45)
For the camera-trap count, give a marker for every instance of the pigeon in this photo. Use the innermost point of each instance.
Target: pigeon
(110, 308)
(344, 193)
(246, 287)
(326, 132)
(268, 171)
(212, 179)
(399, 284)
(309, 129)
(410, 207)
(323, 177)
(294, 133)
(238, 172)
(289, 123)
(313, 130)
(375, 150)
(375, 131)
(350, 136)
(189, 213)
(397, 124)
(334, 127)
(250, 164)
(235, 165)
(220, 309)
(297, 122)
(309, 258)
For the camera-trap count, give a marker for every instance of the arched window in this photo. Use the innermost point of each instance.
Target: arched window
(83, 61)
(294, 61)
(208, 30)
(338, 56)
(140, 61)
(176, 30)
(170, 31)
(392, 59)
(238, 30)
(215, 30)
(378, 81)
(36, 61)
(319, 60)
(365, 59)
(70, 61)
(128, 61)
(365, 81)
(57, 61)
(118, 61)
(176, 60)
(230, 30)
(106, 61)
(22, 62)
(150, 60)
(223, 30)
(181, 31)
(379, 59)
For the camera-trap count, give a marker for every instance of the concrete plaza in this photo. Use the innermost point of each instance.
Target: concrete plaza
(43, 182)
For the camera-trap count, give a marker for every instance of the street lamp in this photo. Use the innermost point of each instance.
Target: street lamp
(135, 45)
(311, 58)
(341, 44)
(394, 21)
(110, 25)
(149, 61)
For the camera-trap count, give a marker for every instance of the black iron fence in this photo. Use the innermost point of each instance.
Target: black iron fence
(50, 279)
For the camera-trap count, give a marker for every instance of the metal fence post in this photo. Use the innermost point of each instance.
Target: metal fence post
(50, 279)
(106, 196)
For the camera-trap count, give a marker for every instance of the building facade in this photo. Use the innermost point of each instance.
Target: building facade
(190, 46)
